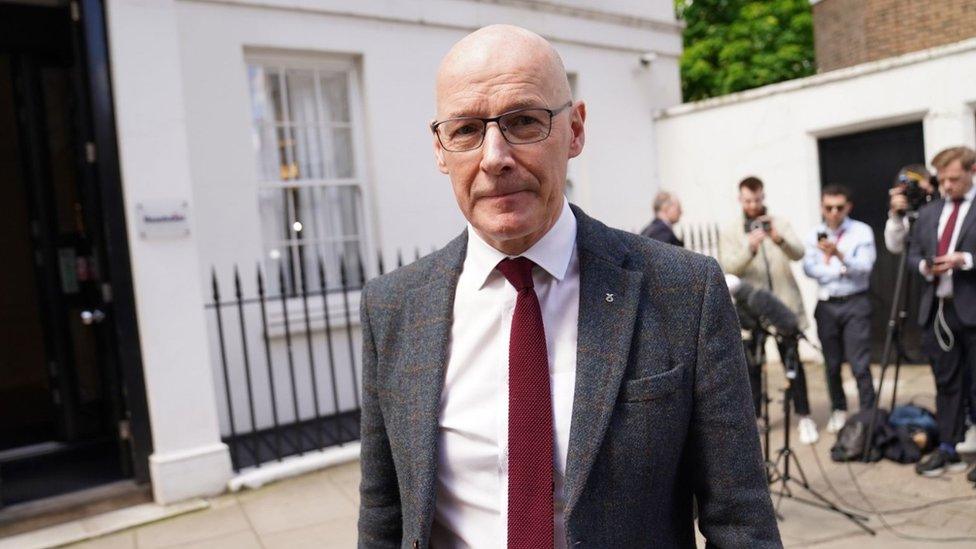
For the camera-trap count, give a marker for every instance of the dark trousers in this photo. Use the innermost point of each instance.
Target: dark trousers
(953, 370)
(844, 328)
(801, 402)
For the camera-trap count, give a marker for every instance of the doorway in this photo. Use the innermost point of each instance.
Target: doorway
(867, 163)
(66, 420)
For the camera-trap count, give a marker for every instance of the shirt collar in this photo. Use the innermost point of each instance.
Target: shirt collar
(844, 226)
(552, 252)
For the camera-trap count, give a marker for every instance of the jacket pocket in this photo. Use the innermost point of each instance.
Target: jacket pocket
(655, 386)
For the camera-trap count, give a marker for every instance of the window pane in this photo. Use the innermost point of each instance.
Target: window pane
(342, 165)
(301, 97)
(273, 91)
(259, 99)
(335, 96)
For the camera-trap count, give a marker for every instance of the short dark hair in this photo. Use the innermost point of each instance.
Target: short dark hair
(752, 183)
(836, 189)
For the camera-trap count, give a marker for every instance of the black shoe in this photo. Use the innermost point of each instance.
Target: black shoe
(937, 462)
(971, 477)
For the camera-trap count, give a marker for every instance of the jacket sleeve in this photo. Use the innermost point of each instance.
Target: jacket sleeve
(734, 506)
(380, 522)
(733, 252)
(792, 246)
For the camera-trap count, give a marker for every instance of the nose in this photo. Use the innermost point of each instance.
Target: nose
(496, 152)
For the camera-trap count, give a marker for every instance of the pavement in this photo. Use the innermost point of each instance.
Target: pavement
(319, 510)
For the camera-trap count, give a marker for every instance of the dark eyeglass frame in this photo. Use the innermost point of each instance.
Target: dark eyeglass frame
(835, 207)
(497, 120)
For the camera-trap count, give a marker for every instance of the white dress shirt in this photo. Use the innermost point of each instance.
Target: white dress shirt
(944, 289)
(472, 468)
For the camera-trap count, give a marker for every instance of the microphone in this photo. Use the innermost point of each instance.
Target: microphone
(764, 309)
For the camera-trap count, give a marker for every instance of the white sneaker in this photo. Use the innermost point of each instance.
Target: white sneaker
(808, 430)
(968, 446)
(837, 420)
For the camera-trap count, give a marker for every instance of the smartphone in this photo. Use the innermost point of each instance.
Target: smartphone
(929, 262)
(821, 236)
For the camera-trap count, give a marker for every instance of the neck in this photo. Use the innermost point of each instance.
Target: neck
(835, 226)
(518, 246)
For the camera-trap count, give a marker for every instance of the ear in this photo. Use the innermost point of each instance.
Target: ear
(576, 119)
(438, 153)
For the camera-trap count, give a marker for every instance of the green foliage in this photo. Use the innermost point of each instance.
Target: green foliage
(735, 45)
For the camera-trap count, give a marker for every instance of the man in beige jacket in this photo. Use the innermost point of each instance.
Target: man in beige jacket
(758, 248)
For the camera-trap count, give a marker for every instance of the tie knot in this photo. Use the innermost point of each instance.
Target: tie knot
(518, 271)
(957, 201)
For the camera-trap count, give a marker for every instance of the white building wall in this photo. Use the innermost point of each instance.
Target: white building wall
(184, 114)
(705, 148)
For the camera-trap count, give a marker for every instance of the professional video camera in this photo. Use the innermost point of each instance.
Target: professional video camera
(913, 191)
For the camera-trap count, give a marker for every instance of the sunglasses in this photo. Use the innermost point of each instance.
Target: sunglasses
(835, 208)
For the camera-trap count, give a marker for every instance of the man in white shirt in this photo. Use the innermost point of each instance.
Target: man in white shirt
(913, 188)
(544, 380)
(942, 250)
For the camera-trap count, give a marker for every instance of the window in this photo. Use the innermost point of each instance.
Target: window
(306, 141)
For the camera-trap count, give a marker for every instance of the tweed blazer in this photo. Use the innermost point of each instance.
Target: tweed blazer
(661, 410)
(925, 243)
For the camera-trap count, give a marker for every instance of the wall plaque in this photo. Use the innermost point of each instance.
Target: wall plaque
(163, 219)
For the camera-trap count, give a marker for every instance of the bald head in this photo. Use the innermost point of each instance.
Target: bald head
(501, 51)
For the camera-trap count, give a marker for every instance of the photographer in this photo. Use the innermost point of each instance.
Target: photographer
(913, 189)
(758, 248)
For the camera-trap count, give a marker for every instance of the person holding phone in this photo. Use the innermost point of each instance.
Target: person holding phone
(759, 248)
(840, 255)
(943, 250)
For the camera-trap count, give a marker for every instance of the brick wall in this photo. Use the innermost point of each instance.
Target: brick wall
(849, 32)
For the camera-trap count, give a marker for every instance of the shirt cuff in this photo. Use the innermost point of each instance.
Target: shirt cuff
(923, 271)
(967, 262)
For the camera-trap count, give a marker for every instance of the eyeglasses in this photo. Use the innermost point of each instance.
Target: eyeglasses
(835, 208)
(518, 127)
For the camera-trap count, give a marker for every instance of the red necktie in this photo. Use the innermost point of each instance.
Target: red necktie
(950, 227)
(530, 485)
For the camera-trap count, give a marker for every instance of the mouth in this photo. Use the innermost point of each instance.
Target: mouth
(502, 195)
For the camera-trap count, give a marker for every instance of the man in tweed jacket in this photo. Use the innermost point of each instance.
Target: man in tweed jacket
(650, 403)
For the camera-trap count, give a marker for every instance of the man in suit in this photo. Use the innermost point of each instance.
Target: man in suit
(942, 250)
(544, 380)
(667, 212)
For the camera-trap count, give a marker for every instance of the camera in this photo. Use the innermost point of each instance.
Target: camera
(753, 224)
(913, 191)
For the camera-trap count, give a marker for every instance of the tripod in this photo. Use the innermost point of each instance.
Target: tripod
(778, 471)
(893, 342)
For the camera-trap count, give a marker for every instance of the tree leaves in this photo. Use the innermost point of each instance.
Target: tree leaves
(735, 45)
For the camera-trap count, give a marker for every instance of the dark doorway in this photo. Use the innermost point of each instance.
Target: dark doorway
(65, 419)
(867, 163)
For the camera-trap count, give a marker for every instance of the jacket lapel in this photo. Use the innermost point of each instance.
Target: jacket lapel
(967, 224)
(429, 310)
(609, 297)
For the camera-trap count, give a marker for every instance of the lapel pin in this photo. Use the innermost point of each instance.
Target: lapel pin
(609, 298)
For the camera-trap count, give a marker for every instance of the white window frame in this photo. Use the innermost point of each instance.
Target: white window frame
(349, 64)
(361, 177)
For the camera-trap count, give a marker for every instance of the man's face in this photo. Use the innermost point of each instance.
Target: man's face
(511, 194)
(752, 202)
(673, 211)
(834, 209)
(955, 181)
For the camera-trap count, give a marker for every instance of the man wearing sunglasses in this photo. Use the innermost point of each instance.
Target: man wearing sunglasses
(840, 254)
(544, 380)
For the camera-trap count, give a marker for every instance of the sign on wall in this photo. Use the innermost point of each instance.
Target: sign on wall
(163, 218)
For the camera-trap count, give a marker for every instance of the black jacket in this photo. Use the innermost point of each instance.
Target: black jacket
(659, 230)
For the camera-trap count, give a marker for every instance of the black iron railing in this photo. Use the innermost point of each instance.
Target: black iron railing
(288, 373)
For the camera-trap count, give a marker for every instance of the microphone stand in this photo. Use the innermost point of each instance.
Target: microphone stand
(785, 455)
(893, 338)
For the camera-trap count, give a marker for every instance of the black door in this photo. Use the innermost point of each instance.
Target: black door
(64, 417)
(867, 163)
